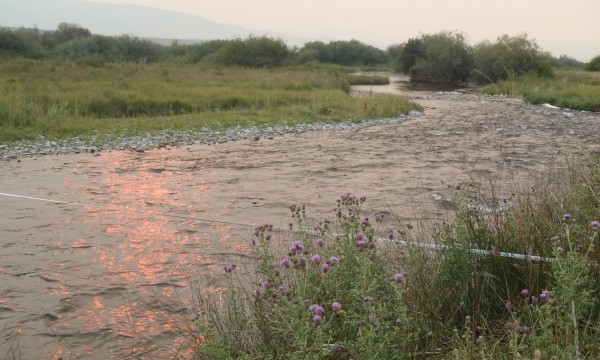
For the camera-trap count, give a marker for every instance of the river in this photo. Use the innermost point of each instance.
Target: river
(97, 250)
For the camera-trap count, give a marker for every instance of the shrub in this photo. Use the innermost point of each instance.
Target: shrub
(593, 65)
(20, 43)
(509, 56)
(349, 53)
(444, 57)
(566, 62)
(326, 296)
(410, 52)
(255, 52)
(110, 49)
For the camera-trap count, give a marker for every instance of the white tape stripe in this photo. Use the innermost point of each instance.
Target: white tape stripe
(382, 240)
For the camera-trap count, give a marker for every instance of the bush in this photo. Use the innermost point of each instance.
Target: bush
(110, 49)
(409, 53)
(328, 297)
(444, 57)
(20, 43)
(509, 56)
(255, 52)
(349, 53)
(593, 65)
(566, 62)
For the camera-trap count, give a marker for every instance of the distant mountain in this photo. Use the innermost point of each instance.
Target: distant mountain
(135, 20)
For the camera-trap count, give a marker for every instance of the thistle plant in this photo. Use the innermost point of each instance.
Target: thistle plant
(326, 295)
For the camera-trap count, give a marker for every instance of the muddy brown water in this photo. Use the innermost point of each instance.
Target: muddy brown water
(104, 272)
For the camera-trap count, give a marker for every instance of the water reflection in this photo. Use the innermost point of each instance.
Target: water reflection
(125, 293)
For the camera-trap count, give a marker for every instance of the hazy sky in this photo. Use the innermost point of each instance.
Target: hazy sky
(570, 27)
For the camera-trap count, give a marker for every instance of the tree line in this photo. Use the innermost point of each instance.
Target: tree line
(442, 57)
(73, 42)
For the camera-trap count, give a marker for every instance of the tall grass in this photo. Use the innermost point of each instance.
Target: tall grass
(66, 99)
(338, 290)
(577, 90)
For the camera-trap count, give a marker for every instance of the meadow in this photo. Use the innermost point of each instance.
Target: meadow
(63, 99)
(569, 89)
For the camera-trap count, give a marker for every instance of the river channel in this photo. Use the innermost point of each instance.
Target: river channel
(97, 250)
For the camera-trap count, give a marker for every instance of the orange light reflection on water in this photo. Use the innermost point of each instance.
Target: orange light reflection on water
(133, 200)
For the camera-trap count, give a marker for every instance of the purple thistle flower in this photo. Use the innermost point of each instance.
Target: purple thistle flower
(361, 236)
(399, 277)
(285, 262)
(534, 300)
(398, 322)
(409, 225)
(336, 306)
(567, 217)
(276, 272)
(317, 309)
(595, 224)
(544, 295)
(297, 246)
(334, 260)
(325, 267)
(320, 242)
(525, 293)
(229, 268)
(508, 305)
(266, 284)
(361, 244)
(302, 262)
(316, 259)
(317, 319)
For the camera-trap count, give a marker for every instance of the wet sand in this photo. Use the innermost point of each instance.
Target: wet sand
(101, 275)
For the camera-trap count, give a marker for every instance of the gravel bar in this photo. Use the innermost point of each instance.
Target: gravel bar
(166, 138)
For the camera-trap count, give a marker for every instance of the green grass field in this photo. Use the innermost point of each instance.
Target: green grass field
(570, 89)
(60, 100)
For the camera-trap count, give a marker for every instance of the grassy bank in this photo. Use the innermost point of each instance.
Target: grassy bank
(577, 90)
(59, 100)
(341, 293)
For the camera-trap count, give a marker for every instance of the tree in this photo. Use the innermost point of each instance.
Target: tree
(64, 32)
(407, 58)
(509, 56)
(20, 42)
(565, 61)
(394, 51)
